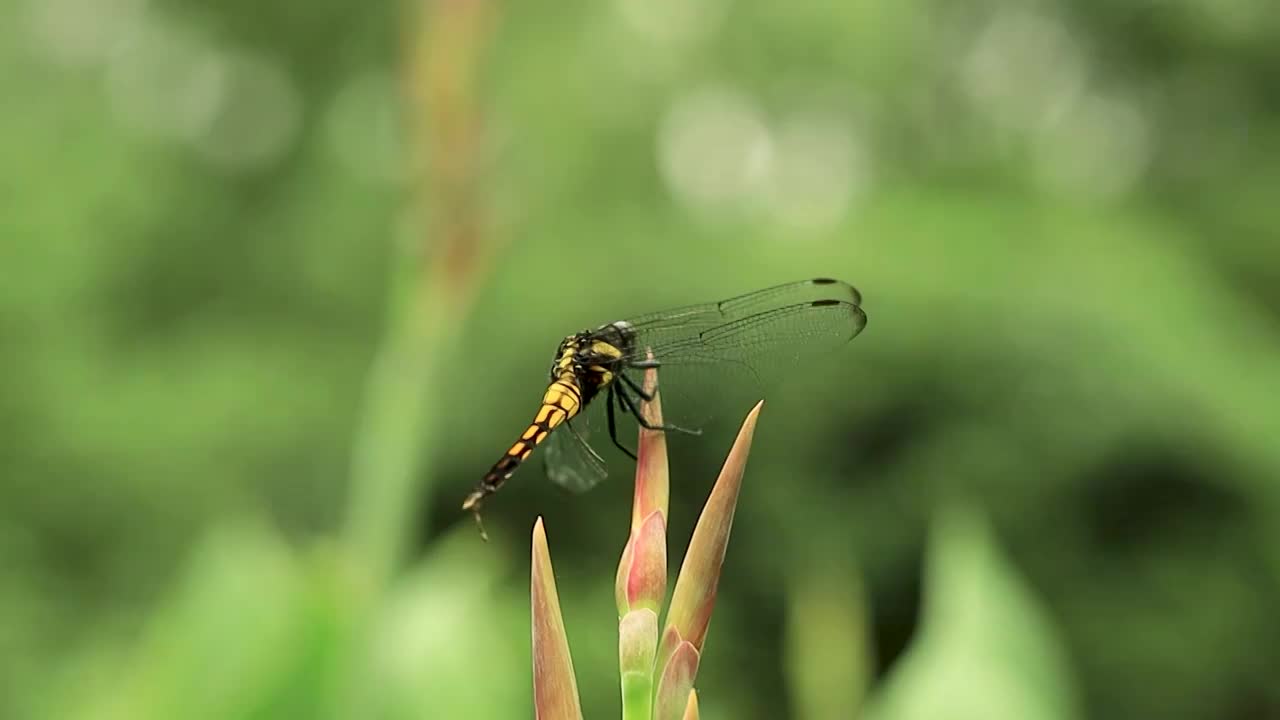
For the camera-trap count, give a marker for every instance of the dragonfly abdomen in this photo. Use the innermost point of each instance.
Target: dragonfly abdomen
(562, 401)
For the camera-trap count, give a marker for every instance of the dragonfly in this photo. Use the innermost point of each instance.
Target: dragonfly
(762, 334)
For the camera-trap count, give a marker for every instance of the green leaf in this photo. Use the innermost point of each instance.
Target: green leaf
(986, 650)
(250, 631)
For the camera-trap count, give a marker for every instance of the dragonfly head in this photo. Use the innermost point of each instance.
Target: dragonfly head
(606, 346)
(618, 334)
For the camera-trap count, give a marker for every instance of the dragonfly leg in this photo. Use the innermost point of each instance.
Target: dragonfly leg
(630, 407)
(613, 426)
(645, 364)
(583, 441)
(635, 387)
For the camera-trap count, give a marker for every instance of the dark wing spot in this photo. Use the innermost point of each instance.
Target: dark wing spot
(824, 281)
(824, 303)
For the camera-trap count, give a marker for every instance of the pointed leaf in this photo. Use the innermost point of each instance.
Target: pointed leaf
(637, 641)
(691, 710)
(985, 649)
(666, 647)
(622, 580)
(695, 593)
(653, 480)
(555, 689)
(676, 683)
(642, 574)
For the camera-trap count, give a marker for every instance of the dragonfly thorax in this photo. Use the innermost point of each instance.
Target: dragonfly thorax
(592, 358)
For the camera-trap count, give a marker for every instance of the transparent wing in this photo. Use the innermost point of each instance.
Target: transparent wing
(569, 460)
(790, 331)
(679, 324)
(707, 366)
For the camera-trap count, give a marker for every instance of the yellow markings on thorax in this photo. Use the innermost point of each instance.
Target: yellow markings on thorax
(599, 347)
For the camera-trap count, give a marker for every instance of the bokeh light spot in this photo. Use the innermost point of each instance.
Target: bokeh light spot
(1022, 69)
(257, 116)
(1097, 150)
(820, 168)
(714, 149)
(363, 127)
(672, 24)
(164, 81)
(81, 32)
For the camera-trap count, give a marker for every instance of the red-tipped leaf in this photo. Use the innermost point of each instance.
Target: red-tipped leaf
(653, 477)
(676, 683)
(695, 593)
(555, 689)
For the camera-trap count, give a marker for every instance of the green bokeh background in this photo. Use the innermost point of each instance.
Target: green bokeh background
(1042, 484)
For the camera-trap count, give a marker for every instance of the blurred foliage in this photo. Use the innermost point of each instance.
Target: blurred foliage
(984, 649)
(1061, 216)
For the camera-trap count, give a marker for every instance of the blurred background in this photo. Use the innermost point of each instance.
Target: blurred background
(281, 280)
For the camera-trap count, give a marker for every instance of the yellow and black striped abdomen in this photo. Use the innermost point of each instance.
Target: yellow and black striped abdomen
(561, 402)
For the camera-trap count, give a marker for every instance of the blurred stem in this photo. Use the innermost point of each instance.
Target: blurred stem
(829, 659)
(637, 697)
(433, 282)
(392, 442)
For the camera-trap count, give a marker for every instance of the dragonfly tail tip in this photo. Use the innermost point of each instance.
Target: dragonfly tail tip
(472, 504)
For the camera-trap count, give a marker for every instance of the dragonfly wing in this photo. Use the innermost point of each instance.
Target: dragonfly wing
(668, 326)
(736, 361)
(790, 331)
(570, 462)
